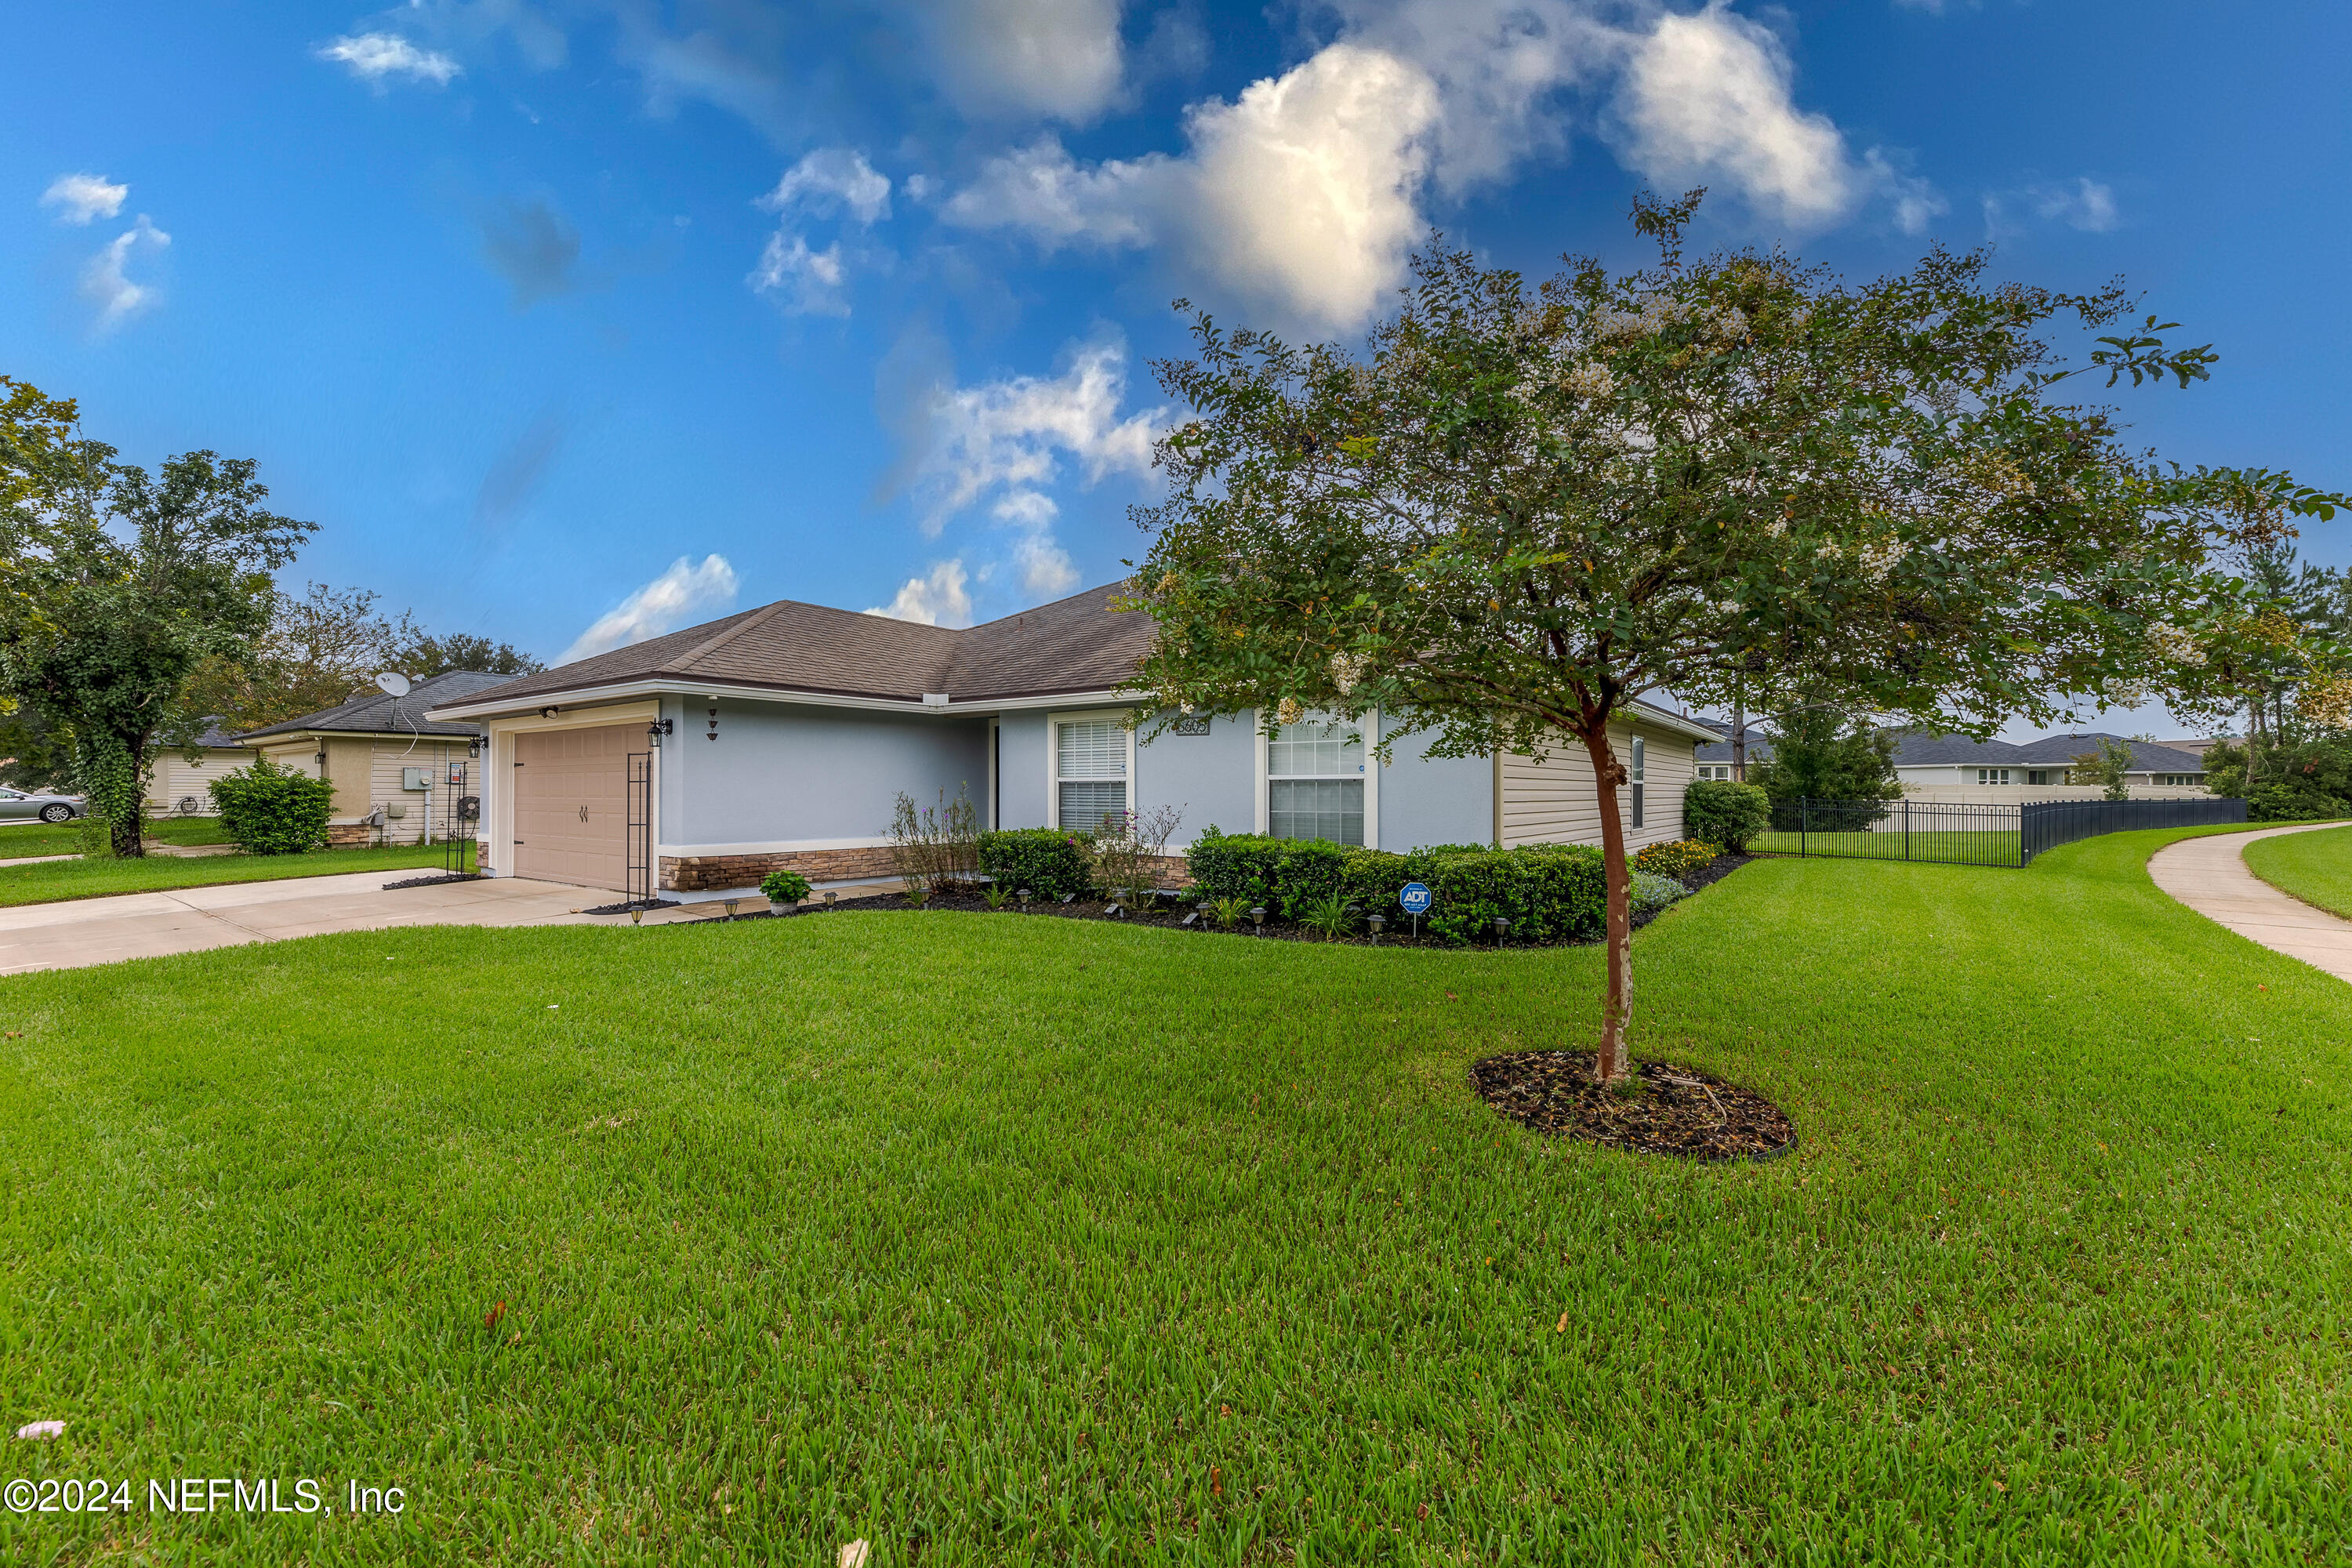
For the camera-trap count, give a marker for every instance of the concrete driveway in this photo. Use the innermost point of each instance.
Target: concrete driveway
(189, 919)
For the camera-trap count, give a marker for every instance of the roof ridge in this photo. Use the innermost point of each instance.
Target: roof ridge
(759, 618)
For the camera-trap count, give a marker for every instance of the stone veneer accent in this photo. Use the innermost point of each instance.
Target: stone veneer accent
(350, 835)
(703, 873)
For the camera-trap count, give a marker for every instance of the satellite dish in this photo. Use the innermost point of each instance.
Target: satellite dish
(393, 683)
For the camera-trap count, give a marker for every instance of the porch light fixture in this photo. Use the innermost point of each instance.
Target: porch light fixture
(654, 731)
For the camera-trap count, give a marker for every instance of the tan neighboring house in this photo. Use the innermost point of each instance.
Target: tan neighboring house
(779, 738)
(177, 787)
(390, 765)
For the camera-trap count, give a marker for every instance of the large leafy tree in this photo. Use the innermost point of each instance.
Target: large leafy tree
(1522, 508)
(118, 584)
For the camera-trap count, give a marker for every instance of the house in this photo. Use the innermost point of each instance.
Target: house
(179, 787)
(1954, 768)
(780, 738)
(383, 755)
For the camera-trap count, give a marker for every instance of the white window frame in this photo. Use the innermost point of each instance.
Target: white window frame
(1369, 726)
(1054, 722)
(1992, 776)
(1636, 782)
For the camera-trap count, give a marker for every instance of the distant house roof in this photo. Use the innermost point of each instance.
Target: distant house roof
(216, 738)
(2147, 756)
(380, 713)
(1760, 750)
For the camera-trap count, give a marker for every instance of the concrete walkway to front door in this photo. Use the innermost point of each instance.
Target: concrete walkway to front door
(2210, 876)
(78, 932)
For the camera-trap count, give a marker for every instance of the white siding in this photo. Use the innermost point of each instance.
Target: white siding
(175, 777)
(1553, 801)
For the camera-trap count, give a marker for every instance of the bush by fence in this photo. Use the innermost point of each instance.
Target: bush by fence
(268, 809)
(1721, 812)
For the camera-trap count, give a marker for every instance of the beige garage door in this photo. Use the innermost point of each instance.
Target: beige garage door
(571, 804)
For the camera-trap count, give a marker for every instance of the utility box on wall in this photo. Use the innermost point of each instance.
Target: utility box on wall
(420, 779)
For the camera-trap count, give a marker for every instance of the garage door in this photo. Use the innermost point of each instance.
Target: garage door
(571, 804)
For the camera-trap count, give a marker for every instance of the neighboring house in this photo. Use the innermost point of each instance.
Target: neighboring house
(383, 754)
(1953, 768)
(1714, 761)
(778, 739)
(178, 787)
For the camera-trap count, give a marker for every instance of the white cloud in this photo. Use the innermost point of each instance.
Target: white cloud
(106, 280)
(1061, 58)
(1300, 194)
(661, 605)
(1045, 569)
(939, 599)
(2083, 204)
(1011, 437)
(1706, 97)
(1915, 199)
(84, 198)
(830, 181)
(377, 57)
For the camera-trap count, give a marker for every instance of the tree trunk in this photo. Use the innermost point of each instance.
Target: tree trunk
(1608, 773)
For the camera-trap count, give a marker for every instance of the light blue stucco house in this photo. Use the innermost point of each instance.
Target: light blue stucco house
(780, 738)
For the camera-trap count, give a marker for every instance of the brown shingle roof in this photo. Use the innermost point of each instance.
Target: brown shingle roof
(1077, 644)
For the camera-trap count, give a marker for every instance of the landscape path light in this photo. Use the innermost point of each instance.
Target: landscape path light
(731, 907)
(1502, 929)
(1257, 915)
(1024, 897)
(829, 896)
(1376, 923)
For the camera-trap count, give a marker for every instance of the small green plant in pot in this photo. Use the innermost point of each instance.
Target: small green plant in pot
(785, 890)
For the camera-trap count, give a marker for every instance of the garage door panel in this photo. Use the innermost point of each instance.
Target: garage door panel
(571, 804)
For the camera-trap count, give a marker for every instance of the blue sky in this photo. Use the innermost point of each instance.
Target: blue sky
(581, 318)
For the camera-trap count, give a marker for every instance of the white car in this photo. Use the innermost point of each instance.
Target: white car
(15, 805)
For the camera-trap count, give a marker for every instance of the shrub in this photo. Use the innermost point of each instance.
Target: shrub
(784, 887)
(1720, 811)
(1331, 915)
(267, 809)
(1678, 858)
(1653, 892)
(1549, 892)
(2297, 800)
(937, 846)
(1237, 864)
(1051, 862)
(1311, 871)
(1126, 855)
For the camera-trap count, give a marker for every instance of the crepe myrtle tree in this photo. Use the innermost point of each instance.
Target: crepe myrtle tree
(117, 583)
(1521, 507)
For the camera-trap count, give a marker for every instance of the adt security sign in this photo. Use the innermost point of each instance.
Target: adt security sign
(1415, 898)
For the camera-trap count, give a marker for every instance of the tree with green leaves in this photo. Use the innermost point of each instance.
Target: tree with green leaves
(1520, 509)
(1819, 753)
(118, 584)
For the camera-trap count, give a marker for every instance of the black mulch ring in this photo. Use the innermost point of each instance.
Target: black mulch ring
(1679, 1110)
(625, 907)
(437, 881)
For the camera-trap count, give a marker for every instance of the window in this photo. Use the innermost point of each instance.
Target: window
(2179, 781)
(1637, 780)
(1715, 771)
(1314, 783)
(1089, 773)
(2037, 776)
(1992, 776)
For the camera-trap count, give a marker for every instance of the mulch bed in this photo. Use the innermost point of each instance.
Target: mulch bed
(1679, 1110)
(438, 879)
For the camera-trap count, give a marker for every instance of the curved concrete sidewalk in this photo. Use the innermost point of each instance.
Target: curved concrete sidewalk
(2210, 876)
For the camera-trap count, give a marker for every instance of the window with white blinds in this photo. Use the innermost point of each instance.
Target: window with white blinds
(1637, 772)
(1089, 773)
(1314, 783)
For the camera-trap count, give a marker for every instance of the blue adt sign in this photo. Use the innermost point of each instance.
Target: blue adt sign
(1415, 898)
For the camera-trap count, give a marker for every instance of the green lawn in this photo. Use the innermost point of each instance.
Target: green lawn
(65, 838)
(55, 879)
(2315, 867)
(1006, 1240)
(1955, 846)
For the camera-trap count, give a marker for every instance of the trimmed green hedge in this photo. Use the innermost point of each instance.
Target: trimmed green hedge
(267, 809)
(1719, 811)
(1049, 861)
(1549, 892)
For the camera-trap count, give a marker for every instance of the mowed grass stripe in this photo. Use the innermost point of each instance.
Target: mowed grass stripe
(2314, 866)
(993, 1239)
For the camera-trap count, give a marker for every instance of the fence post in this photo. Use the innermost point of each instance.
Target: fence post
(1906, 830)
(1804, 821)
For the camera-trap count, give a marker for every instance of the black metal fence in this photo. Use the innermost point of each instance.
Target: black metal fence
(1948, 833)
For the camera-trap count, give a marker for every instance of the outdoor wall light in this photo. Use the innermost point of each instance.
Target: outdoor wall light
(1258, 917)
(1376, 923)
(654, 731)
